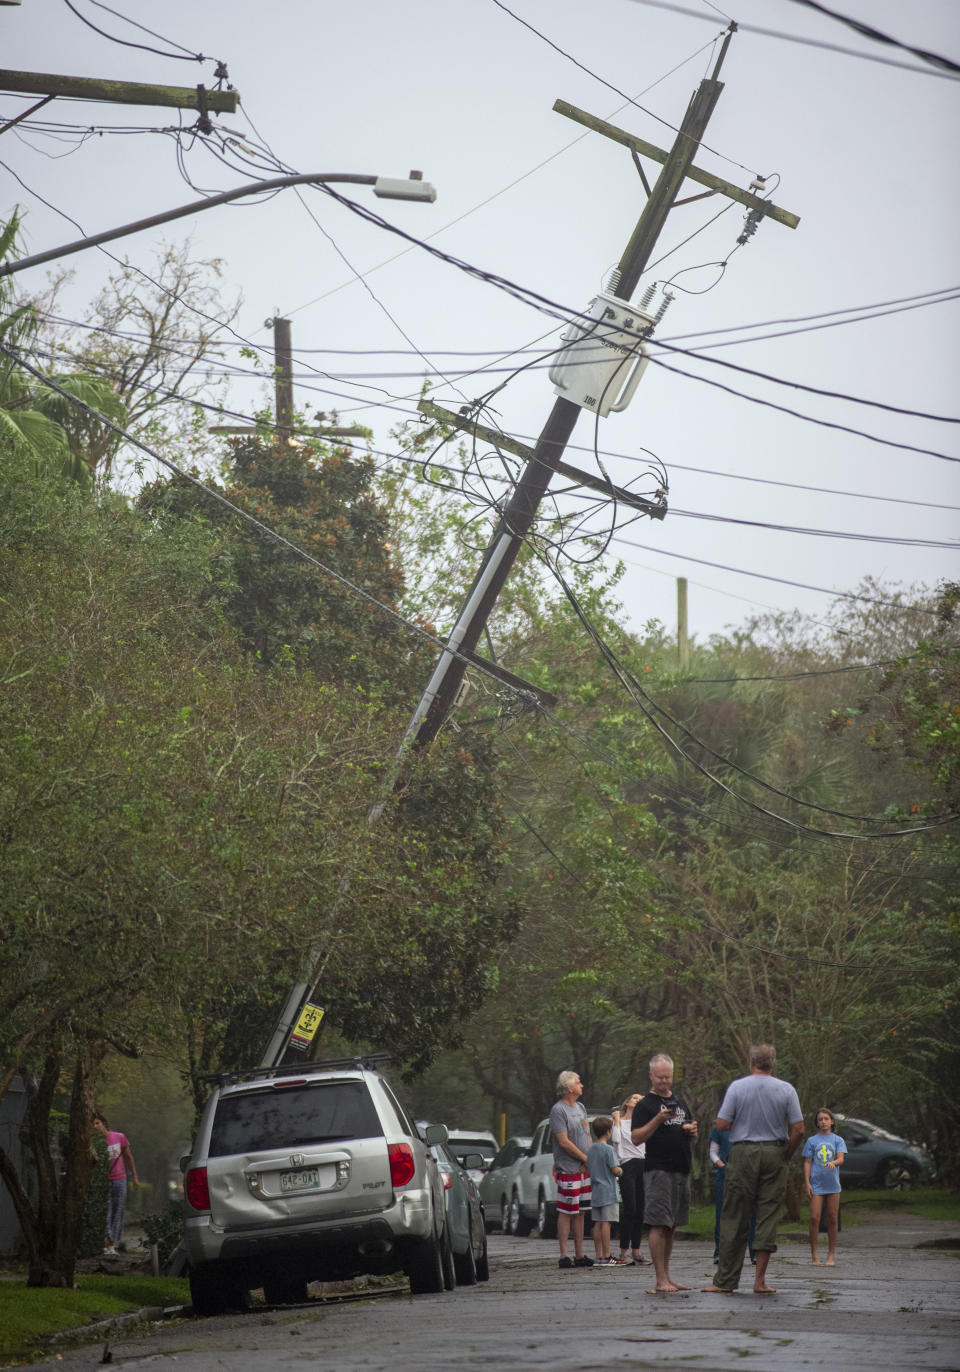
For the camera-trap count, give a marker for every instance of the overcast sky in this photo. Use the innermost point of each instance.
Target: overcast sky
(865, 153)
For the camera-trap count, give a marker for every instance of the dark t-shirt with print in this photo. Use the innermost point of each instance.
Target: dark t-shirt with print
(669, 1149)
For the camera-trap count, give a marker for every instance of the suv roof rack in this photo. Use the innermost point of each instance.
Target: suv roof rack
(360, 1062)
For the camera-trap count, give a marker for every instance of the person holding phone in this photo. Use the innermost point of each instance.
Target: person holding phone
(664, 1123)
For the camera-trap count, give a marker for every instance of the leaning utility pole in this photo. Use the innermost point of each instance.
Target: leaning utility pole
(606, 324)
(601, 365)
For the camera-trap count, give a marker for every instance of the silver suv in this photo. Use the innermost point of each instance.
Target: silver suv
(309, 1173)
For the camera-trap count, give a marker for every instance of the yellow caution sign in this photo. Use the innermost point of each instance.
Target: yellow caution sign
(305, 1030)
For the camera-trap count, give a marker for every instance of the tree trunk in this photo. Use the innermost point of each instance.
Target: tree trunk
(52, 1226)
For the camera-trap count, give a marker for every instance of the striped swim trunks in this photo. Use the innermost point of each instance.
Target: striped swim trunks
(573, 1191)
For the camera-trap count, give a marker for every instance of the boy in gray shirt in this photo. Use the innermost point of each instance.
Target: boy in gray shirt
(604, 1169)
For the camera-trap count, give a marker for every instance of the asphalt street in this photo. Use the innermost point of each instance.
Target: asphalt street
(892, 1300)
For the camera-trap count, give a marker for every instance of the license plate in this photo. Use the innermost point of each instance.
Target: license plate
(307, 1179)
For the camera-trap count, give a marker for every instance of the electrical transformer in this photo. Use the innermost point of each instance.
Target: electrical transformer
(605, 357)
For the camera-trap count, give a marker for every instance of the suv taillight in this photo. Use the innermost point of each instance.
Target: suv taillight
(196, 1190)
(402, 1166)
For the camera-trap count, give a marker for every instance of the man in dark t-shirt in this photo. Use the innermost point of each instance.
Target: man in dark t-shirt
(663, 1122)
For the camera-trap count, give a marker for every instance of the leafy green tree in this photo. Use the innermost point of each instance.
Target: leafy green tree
(36, 422)
(155, 339)
(177, 824)
(323, 501)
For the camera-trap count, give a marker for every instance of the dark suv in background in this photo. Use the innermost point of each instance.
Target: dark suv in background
(312, 1173)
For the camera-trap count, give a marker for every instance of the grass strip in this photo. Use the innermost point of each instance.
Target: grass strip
(28, 1313)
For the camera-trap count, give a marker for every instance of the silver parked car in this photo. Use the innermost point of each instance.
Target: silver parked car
(309, 1173)
(533, 1200)
(496, 1189)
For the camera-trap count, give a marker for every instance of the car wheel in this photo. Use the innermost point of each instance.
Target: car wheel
(425, 1269)
(895, 1175)
(505, 1214)
(519, 1224)
(285, 1291)
(483, 1263)
(546, 1218)
(450, 1274)
(212, 1292)
(466, 1265)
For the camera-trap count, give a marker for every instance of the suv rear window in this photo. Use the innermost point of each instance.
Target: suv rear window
(255, 1121)
(461, 1146)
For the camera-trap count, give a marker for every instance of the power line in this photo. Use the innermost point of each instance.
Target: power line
(262, 528)
(767, 576)
(824, 671)
(796, 38)
(185, 55)
(808, 419)
(508, 187)
(637, 693)
(868, 31)
(895, 540)
(616, 89)
(810, 390)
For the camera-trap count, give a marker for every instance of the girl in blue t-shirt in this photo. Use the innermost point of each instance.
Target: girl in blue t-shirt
(822, 1154)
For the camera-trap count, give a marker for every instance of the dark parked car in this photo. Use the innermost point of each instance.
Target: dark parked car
(876, 1158)
(467, 1263)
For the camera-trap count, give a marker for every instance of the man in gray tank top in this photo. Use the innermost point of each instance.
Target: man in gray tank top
(765, 1122)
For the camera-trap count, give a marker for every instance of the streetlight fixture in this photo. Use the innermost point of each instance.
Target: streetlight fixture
(412, 187)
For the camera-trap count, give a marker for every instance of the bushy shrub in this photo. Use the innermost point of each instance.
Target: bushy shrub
(165, 1229)
(92, 1235)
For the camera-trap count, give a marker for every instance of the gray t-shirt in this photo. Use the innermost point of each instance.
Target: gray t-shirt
(572, 1121)
(760, 1108)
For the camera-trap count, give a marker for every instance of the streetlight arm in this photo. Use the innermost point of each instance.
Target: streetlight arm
(392, 189)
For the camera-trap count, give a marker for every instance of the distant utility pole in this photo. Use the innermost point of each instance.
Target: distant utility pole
(545, 458)
(285, 428)
(683, 641)
(283, 379)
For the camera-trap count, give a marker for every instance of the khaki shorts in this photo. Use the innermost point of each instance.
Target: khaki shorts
(666, 1199)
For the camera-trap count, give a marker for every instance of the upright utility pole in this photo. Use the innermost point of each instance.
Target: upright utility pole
(521, 510)
(283, 379)
(683, 638)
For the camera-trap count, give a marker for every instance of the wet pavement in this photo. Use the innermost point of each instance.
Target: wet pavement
(892, 1300)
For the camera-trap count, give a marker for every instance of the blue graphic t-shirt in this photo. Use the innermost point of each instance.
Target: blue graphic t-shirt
(821, 1149)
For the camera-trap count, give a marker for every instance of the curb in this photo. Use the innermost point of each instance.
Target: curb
(146, 1314)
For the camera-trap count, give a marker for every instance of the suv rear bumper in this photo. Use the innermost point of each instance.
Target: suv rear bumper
(408, 1219)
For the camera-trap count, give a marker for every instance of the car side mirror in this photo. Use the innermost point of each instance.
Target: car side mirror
(435, 1133)
(474, 1160)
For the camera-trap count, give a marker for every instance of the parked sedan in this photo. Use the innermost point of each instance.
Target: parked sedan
(876, 1158)
(465, 1244)
(499, 1182)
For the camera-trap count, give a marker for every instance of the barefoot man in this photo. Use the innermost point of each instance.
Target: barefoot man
(662, 1121)
(766, 1128)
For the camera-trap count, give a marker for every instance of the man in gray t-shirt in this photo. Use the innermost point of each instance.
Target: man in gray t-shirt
(765, 1122)
(571, 1139)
